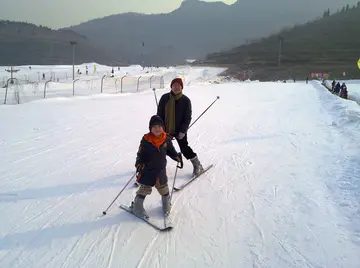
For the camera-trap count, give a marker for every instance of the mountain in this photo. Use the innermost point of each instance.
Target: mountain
(330, 44)
(23, 43)
(196, 28)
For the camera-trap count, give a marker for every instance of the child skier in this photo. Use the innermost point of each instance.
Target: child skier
(151, 166)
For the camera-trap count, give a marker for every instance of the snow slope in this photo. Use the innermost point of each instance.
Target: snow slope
(284, 191)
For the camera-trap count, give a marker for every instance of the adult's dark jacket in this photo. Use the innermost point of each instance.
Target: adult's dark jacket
(152, 159)
(183, 112)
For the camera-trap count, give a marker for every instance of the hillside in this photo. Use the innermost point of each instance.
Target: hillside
(24, 43)
(196, 28)
(330, 44)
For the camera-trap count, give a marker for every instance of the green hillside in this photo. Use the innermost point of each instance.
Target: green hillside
(330, 44)
(23, 43)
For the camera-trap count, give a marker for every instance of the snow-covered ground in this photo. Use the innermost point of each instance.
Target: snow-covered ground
(283, 192)
(354, 90)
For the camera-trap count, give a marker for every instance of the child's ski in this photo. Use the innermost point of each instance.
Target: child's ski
(148, 220)
(168, 221)
(178, 188)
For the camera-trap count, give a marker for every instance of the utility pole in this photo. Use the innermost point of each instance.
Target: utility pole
(281, 40)
(73, 43)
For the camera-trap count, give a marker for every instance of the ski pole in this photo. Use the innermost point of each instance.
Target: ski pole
(199, 116)
(172, 189)
(157, 104)
(204, 112)
(104, 212)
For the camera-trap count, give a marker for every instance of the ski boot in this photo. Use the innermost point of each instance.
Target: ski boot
(137, 206)
(197, 166)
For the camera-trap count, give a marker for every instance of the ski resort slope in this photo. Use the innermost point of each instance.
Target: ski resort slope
(283, 192)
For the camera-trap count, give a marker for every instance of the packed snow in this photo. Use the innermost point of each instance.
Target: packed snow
(283, 192)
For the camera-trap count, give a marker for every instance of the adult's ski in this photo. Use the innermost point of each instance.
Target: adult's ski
(178, 188)
(148, 220)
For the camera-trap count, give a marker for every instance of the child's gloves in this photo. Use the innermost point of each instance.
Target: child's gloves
(139, 167)
(179, 159)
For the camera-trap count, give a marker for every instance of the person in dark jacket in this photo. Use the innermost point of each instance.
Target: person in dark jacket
(343, 91)
(333, 85)
(175, 109)
(151, 166)
(337, 88)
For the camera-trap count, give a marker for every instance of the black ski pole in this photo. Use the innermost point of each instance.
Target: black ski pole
(157, 104)
(104, 212)
(204, 112)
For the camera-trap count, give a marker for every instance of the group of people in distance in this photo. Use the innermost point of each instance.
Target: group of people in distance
(339, 90)
(172, 121)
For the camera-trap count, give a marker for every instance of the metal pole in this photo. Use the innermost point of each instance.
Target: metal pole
(218, 97)
(172, 189)
(73, 43)
(280, 50)
(157, 104)
(105, 211)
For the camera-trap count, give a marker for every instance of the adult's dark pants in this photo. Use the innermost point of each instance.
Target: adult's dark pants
(185, 149)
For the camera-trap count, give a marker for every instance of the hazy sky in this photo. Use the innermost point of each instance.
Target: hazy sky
(63, 13)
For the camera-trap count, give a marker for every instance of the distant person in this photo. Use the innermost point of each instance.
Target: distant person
(307, 79)
(175, 110)
(337, 88)
(333, 85)
(343, 91)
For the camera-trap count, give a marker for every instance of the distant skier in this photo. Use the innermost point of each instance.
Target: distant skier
(337, 88)
(333, 85)
(175, 110)
(151, 166)
(343, 91)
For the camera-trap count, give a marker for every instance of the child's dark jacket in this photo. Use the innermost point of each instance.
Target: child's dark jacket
(151, 156)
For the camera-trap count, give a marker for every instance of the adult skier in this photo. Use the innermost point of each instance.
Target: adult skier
(175, 110)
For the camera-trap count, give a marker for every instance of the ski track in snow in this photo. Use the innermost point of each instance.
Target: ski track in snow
(269, 200)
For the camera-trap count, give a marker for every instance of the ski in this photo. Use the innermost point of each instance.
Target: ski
(147, 220)
(178, 188)
(167, 221)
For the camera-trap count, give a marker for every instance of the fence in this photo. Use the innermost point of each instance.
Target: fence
(39, 77)
(18, 91)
